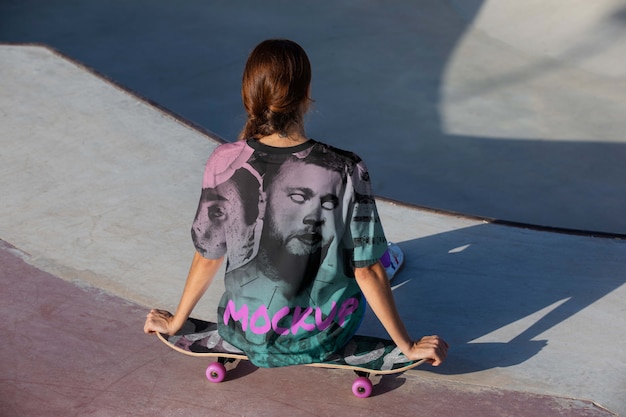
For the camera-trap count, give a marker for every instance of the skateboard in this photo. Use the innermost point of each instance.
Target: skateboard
(365, 355)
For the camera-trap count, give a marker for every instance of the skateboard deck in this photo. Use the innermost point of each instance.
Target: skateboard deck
(365, 355)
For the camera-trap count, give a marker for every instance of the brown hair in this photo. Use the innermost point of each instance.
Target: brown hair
(275, 88)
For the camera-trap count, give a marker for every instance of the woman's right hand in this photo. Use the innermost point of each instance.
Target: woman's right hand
(432, 348)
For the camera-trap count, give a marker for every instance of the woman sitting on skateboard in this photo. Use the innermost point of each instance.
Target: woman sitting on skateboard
(297, 223)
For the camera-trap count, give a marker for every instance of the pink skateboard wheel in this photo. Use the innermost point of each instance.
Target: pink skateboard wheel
(362, 387)
(216, 372)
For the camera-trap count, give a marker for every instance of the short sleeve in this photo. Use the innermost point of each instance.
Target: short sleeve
(208, 231)
(366, 230)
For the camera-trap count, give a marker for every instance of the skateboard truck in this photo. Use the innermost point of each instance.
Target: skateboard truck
(361, 387)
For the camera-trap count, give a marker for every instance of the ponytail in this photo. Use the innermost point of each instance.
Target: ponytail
(275, 88)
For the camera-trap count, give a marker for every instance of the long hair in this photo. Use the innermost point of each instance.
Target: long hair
(275, 88)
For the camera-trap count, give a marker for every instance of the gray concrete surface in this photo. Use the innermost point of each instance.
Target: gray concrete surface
(98, 188)
(499, 108)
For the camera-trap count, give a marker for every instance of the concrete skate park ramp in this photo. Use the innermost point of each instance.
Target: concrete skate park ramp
(506, 109)
(575, 33)
(99, 187)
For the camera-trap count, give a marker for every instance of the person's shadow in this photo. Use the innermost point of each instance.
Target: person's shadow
(494, 292)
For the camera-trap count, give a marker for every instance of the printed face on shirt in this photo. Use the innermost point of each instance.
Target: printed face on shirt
(298, 211)
(222, 212)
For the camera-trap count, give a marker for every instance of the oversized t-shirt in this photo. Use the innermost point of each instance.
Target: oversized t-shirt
(293, 223)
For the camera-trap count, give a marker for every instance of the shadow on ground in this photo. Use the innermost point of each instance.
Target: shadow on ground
(495, 292)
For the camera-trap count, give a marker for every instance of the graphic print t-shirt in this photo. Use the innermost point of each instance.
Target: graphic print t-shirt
(294, 223)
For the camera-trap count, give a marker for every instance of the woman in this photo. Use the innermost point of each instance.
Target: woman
(301, 295)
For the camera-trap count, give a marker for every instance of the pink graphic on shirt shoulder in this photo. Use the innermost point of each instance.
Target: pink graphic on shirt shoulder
(224, 161)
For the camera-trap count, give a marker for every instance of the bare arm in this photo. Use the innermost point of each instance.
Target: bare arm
(375, 286)
(201, 274)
